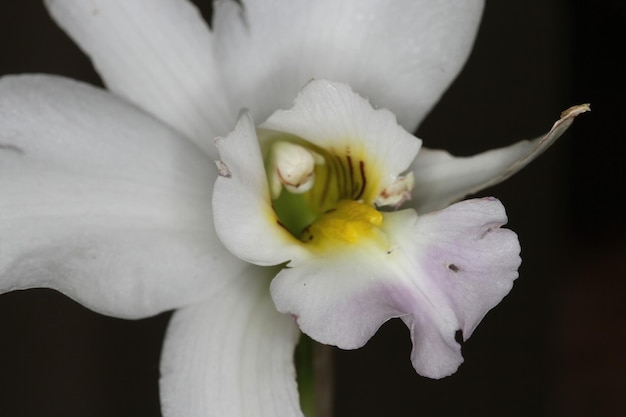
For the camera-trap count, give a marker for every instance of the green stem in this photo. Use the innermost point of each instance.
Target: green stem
(314, 368)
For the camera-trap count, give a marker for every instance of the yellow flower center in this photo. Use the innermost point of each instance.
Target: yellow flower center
(321, 195)
(349, 222)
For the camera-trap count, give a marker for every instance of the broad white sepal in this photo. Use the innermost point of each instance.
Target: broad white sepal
(103, 202)
(402, 54)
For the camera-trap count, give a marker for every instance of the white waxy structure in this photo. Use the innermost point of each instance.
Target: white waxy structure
(293, 167)
(397, 192)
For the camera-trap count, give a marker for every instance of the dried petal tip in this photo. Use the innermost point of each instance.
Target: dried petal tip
(433, 169)
(567, 118)
(575, 110)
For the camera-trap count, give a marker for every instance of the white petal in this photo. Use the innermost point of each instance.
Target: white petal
(231, 355)
(441, 179)
(440, 273)
(333, 117)
(244, 218)
(156, 53)
(326, 114)
(402, 55)
(102, 202)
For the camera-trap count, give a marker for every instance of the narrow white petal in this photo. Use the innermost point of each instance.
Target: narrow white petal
(244, 218)
(400, 54)
(440, 273)
(333, 117)
(231, 355)
(156, 53)
(441, 179)
(102, 202)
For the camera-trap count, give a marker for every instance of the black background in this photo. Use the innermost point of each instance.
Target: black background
(553, 347)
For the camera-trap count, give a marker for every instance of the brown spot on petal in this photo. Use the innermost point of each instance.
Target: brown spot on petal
(222, 169)
(453, 268)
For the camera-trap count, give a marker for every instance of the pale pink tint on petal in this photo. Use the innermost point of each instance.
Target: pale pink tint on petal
(464, 263)
(440, 273)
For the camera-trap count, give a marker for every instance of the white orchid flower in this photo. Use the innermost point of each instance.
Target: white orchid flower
(109, 196)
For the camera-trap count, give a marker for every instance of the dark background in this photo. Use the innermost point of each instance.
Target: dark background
(553, 347)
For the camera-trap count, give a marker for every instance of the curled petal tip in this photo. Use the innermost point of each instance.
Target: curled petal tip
(575, 110)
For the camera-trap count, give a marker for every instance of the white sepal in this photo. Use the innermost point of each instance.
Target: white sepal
(102, 202)
(231, 355)
(402, 55)
(158, 54)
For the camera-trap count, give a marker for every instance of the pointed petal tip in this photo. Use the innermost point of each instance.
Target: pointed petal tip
(441, 179)
(540, 144)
